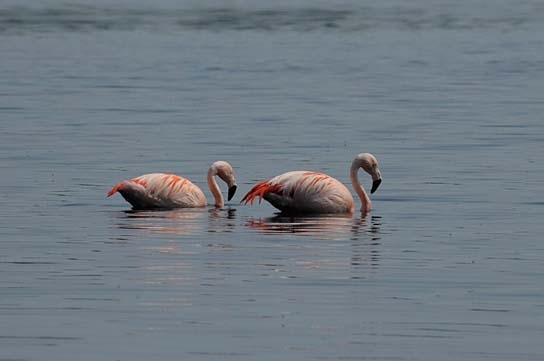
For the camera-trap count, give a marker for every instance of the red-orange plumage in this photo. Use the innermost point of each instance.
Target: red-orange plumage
(116, 188)
(260, 190)
(140, 181)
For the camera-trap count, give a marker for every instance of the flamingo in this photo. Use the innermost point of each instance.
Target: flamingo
(167, 191)
(303, 192)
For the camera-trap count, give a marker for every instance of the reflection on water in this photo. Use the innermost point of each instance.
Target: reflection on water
(327, 227)
(365, 243)
(178, 221)
(173, 222)
(360, 234)
(191, 221)
(221, 220)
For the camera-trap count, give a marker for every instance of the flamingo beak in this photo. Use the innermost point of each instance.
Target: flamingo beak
(375, 185)
(232, 190)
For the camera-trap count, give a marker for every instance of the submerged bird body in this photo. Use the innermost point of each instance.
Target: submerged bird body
(159, 190)
(167, 191)
(305, 192)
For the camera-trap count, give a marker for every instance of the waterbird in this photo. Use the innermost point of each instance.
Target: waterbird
(305, 192)
(168, 191)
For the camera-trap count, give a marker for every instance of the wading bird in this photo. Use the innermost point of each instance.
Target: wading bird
(167, 191)
(303, 192)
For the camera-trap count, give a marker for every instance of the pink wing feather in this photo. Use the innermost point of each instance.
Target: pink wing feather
(303, 191)
(159, 190)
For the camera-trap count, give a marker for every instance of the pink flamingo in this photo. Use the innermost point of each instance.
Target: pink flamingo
(167, 191)
(302, 192)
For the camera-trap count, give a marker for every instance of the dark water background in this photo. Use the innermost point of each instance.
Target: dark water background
(447, 94)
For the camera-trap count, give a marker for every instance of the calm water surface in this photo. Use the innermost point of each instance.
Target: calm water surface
(447, 95)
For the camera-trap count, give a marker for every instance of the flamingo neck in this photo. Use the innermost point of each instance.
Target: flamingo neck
(214, 188)
(366, 204)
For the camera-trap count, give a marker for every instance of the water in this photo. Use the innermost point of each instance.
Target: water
(447, 95)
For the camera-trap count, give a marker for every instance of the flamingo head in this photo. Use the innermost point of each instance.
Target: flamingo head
(369, 164)
(226, 173)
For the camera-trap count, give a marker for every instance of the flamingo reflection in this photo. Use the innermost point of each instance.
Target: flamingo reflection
(327, 227)
(221, 220)
(174, 222)
(179, 222)
(361, 235)
(365, 243)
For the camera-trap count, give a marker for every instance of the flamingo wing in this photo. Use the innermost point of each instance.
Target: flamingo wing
(159, 190)
(303, 192)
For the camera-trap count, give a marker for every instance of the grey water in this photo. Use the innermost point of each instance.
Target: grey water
(448, 95)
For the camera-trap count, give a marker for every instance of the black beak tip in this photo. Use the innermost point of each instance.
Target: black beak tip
(375, 185)
(232, 190)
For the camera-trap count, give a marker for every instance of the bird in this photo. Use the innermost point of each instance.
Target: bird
(168, 191)
(305, 192)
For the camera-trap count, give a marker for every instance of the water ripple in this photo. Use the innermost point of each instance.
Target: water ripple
(352, 19)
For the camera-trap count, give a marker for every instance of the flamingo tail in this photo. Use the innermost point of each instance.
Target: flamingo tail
(260, 190)
(116, 188)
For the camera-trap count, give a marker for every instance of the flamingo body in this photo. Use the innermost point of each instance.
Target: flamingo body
(167, 191)
(160, 190)
(304, 192)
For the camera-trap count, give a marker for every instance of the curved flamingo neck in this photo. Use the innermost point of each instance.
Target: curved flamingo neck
(366, 204)
(214, 188)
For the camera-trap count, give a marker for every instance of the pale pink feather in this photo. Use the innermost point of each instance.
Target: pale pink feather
(304, 192)
(159, 190)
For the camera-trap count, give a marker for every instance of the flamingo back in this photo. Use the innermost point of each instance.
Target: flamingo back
(159, 190)
(303, 191)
